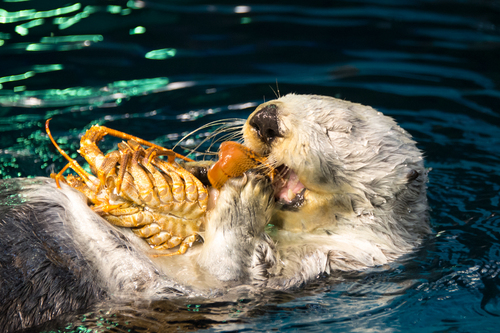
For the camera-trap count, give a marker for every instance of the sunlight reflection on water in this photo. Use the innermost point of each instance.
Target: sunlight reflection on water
(160, 69)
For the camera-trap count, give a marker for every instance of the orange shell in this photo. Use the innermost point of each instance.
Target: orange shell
(234, 160)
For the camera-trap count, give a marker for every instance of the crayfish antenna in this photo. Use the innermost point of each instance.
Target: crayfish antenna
(72, 163)
(125, 136)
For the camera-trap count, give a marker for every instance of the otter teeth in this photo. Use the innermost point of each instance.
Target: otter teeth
(289, 191)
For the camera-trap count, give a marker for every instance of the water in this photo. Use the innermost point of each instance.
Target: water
(159, 69)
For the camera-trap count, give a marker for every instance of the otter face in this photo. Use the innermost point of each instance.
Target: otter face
(337, 160)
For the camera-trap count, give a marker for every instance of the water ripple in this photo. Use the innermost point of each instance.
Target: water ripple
(160, 69)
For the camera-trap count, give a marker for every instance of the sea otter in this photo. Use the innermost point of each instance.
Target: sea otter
(351, 194)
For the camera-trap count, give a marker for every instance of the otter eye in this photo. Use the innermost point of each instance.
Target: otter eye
(265, 122)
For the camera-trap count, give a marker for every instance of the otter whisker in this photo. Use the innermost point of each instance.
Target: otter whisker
(225, 129)
(206, 154)
(278, 95)
(224, 125)
(217, 132)
(236, 121)
(226, 137)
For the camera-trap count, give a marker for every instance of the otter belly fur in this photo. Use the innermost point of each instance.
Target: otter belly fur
(351, 194)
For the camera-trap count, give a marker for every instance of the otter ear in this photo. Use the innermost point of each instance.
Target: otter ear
(341, 126)
(412, 175)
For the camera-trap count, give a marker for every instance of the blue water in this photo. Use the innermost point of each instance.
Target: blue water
(160, 69)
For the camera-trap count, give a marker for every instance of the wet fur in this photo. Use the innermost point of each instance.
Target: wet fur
(365, 206)
(366, 201)
(58, 256)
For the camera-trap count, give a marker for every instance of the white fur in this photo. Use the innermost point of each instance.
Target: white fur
(360, 207)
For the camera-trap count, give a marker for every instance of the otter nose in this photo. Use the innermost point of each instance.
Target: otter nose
(265, 122)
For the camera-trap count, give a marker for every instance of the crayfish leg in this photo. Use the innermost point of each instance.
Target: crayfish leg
(129, 190)
(186, 244)
(59, 176)
(117, 210)
(107, 166)
(147, 231)
(130, 221)
(125, 158)
(152, 152)
(87, 178)
(79, 185)
(161, 186)
(143, 183)
(163, 239)
(177, 183)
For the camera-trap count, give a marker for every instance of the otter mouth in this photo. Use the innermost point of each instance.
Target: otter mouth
(288, 190)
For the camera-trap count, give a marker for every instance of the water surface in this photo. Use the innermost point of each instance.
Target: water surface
(160, 69)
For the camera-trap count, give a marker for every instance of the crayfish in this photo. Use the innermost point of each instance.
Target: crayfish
(133, 187)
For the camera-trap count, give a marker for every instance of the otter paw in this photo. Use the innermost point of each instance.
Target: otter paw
(235, 227)
(244, 206)
(255, 194)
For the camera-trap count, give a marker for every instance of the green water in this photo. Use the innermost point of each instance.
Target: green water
(160, 69)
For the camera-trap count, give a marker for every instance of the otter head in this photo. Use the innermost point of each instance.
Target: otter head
(339, 163)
